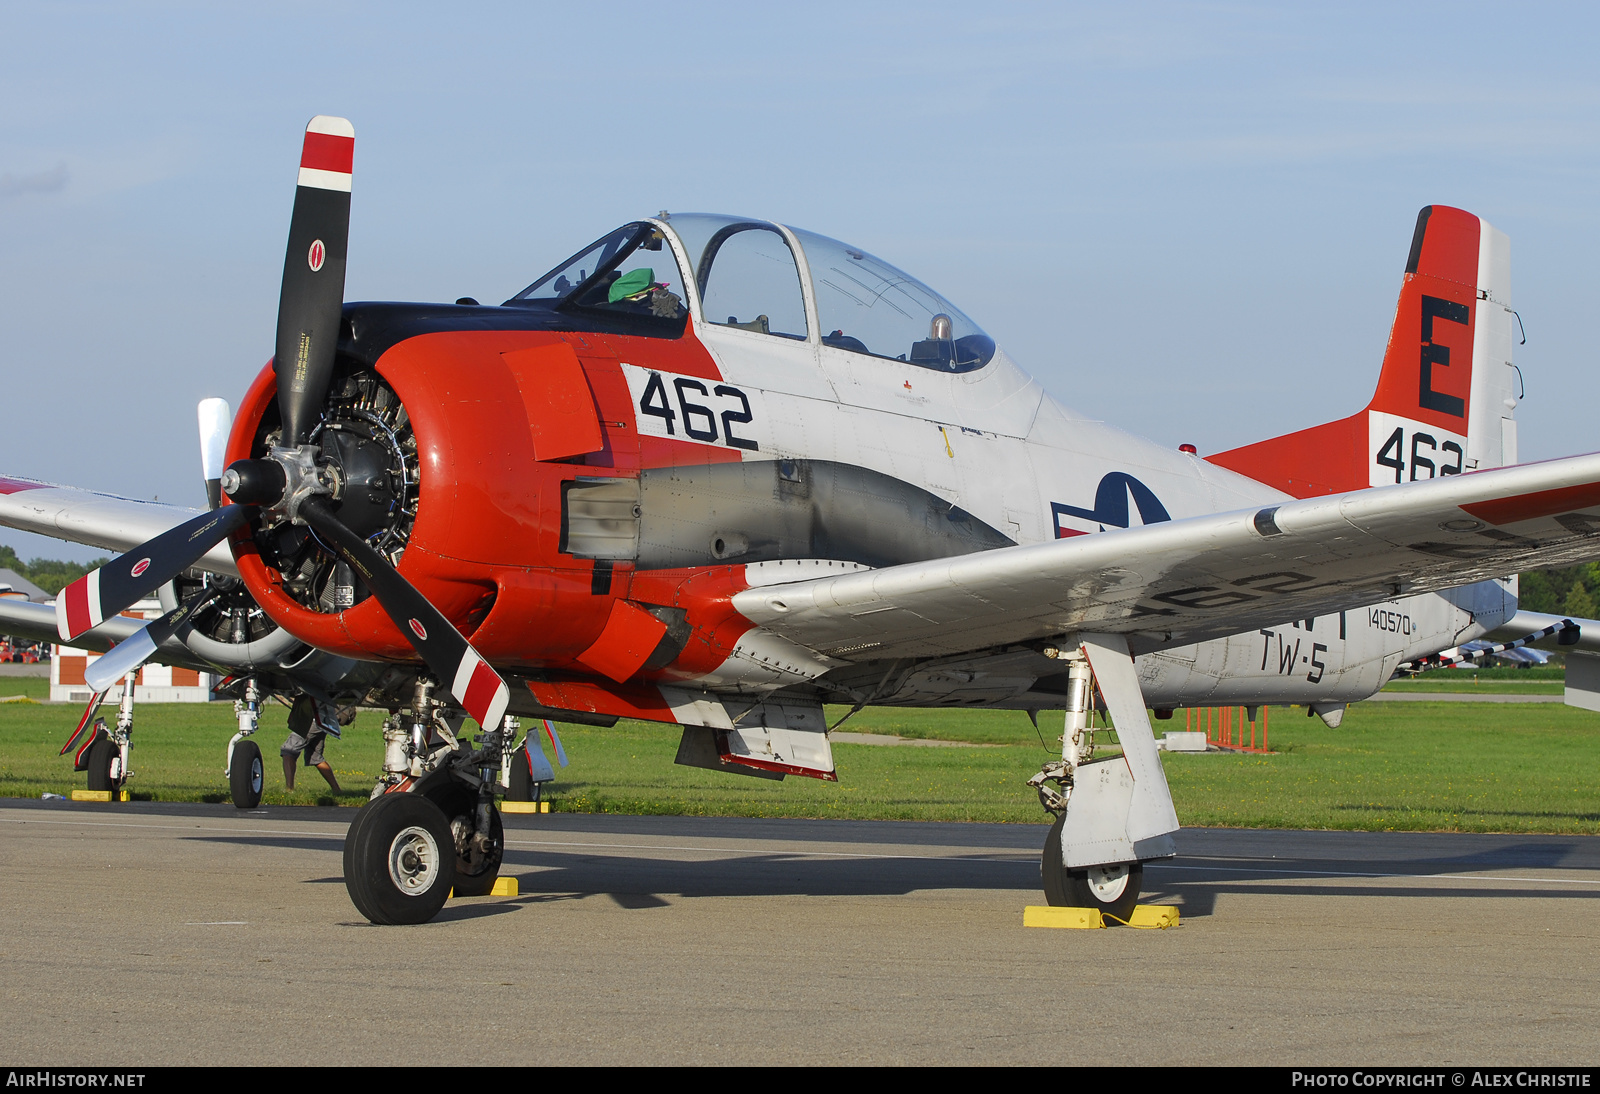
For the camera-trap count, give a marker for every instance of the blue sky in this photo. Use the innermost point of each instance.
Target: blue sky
(1190, 220)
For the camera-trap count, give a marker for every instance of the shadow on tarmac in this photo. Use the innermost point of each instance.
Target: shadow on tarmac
(999, 857)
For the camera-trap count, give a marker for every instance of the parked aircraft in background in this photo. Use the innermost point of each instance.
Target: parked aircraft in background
(716, 471)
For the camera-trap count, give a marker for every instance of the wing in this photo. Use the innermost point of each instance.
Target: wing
(38, 621)
(100, 520)
(1206, 577)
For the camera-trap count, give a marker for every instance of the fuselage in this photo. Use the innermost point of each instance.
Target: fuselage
(572, 459)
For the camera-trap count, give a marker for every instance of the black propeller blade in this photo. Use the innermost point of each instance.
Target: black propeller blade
(101, 594)
(292, 484)
(312, 300)
(476, 686)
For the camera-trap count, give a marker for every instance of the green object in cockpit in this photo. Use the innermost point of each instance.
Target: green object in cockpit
(631, 283)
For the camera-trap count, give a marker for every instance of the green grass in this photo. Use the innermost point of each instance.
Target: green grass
(1407, 767)
(178, 752)
(1414, 766)
(34, 687)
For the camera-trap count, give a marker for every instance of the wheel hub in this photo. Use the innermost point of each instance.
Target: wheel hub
(1109, 882)
(413, 861)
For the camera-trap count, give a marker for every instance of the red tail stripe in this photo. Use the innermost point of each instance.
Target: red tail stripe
(77, 596)
(480, 692)
(326, 152)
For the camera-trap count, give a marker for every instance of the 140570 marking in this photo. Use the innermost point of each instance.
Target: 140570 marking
(691, 408)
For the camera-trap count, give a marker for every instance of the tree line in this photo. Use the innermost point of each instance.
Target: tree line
(1571, 591)
(51, 575)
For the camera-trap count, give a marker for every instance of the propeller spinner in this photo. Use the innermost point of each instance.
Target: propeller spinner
(294, 483)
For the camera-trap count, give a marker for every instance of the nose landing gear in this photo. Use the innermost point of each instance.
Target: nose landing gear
(431, 825)
(243, 768)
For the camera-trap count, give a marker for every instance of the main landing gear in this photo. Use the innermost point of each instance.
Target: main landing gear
(243, 767)
(104, 758)
(431, 826)
(1113, 815)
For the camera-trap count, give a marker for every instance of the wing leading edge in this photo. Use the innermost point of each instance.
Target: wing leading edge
(99, 520)
(1206, 577)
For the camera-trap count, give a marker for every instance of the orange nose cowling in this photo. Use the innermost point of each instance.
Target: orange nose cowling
(485, 544)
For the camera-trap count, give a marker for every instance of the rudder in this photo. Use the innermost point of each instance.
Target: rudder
(1444, 402)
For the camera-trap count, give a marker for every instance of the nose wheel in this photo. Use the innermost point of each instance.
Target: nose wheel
(105, 765)
(399, 859)
(1112, 888)
(245, 775)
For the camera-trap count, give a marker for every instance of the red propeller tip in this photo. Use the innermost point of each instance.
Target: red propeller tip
(327, 159)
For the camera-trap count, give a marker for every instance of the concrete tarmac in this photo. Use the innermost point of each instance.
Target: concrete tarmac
(145, 934)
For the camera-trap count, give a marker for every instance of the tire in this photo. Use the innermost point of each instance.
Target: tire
(246, 775)
(399, 860)
(105, 765)
(1113, 889)
(350, 836)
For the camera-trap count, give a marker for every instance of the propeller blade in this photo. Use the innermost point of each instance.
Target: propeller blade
(473, 683)
(136, 649)
(101, 594)
(216, 419)
(312, 300)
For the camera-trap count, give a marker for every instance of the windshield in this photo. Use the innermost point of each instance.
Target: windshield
(867, 306)
(629, 270)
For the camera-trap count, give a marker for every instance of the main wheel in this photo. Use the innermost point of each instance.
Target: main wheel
(400, 859)
(245, 775)
(1114, 889)
(105, 765)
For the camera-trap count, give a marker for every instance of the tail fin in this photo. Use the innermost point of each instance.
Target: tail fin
(1444, 401)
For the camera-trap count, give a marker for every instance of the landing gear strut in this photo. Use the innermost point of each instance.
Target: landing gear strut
(108, 754)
